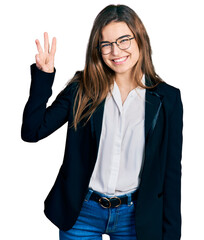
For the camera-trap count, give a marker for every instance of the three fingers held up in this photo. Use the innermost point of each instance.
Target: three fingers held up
(45, 58)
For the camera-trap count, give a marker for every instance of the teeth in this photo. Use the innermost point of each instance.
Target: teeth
(120, 60)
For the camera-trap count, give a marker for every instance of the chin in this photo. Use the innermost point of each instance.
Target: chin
(121, 71)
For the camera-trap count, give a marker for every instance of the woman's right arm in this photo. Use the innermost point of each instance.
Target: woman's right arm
(40, 121)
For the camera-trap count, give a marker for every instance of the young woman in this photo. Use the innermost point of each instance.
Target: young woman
(121, 173)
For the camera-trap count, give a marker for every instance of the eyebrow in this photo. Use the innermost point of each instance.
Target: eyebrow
(116, 39)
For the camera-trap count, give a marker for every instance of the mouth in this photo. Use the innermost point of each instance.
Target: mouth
(120, 60)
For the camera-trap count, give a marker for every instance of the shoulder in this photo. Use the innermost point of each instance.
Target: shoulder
(167, 90)
(170, 95)
(161, 88)
(70, 88)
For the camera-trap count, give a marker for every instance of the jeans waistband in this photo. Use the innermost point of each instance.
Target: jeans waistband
(90, 191)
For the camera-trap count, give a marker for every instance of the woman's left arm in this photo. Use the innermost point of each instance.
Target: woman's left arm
(172, 182)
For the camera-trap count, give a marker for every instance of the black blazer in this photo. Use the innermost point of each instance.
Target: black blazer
(157, 213)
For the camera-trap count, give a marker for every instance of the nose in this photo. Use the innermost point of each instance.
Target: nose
(115, 49)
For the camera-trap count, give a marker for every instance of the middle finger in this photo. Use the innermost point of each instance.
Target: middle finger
(46, 42)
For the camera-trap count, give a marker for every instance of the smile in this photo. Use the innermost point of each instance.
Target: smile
(120, 60)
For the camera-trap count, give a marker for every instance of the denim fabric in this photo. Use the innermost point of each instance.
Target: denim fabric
(94, 220)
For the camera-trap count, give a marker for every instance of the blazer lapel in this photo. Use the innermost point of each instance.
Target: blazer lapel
(153, 103)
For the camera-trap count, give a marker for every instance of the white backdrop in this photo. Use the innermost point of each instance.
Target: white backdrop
(28, 170)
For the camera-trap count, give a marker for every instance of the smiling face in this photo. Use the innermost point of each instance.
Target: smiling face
(120, 61)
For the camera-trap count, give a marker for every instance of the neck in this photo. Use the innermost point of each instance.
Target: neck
(126, 81)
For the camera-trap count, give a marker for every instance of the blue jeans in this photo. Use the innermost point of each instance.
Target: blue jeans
(94, 220)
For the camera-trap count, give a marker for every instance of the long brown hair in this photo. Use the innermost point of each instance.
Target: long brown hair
(96, 79)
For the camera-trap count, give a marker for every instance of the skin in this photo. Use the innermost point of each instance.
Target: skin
(123, 70)
(123, 76)
(45, 59)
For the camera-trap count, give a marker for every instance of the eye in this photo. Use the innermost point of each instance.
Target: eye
(105, 45)
(124, 40)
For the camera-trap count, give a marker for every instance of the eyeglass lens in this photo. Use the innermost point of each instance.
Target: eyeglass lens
(122, 43)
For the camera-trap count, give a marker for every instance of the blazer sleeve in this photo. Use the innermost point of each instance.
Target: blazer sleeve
(40, 121)
(172, 182)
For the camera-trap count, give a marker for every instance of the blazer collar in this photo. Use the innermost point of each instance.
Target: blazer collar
(153, 103)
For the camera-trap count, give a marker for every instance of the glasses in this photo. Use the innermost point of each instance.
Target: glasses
(123, 43)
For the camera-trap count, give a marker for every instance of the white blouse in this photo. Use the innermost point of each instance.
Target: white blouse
(121, 147)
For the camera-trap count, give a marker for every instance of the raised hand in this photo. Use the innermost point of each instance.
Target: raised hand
(45, 59)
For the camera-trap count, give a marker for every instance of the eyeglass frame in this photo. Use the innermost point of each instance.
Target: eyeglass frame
(111, 44)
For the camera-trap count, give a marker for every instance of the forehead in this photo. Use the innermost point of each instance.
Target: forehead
(115, 30)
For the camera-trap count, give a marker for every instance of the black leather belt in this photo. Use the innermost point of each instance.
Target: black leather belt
(113, 201)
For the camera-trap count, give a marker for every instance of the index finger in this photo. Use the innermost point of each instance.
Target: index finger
(40, 50)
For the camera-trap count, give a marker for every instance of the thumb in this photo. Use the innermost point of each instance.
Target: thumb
(38, 61)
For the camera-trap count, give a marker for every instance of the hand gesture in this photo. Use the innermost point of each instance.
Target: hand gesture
(45, 59)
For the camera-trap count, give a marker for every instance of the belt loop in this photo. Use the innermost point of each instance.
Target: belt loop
(90, 191)
(129, 195)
